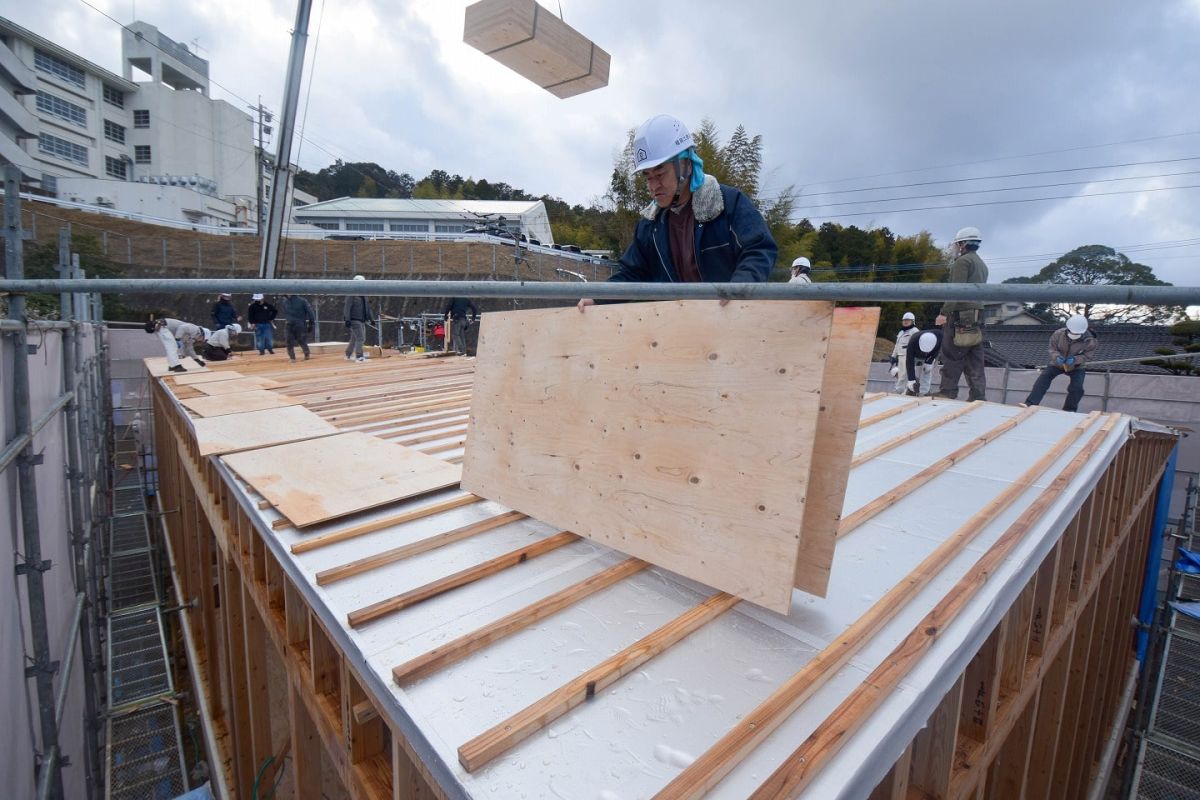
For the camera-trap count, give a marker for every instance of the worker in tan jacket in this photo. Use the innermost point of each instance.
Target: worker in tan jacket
(1070, 348)
(962, 322)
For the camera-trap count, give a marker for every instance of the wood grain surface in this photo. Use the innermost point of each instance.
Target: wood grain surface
(681, 433)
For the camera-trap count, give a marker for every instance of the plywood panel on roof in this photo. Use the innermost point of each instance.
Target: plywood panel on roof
(252, 400)
(253, 429)
(214, 388)
(157, 366)
(846, 367)
(681, 432)
(188, 379)
(320, 479)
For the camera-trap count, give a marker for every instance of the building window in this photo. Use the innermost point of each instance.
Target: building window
(410, 227)
(114, 132)
(359, 225)
(63, 109)
(141, 154)
(449, 228)
(61, 148)
(114, 168)
(114, 97)
(52, 65)
(325, 226)
(50, 184)
(141, 118)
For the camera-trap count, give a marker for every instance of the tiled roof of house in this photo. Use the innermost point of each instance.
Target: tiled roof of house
(1026, 345)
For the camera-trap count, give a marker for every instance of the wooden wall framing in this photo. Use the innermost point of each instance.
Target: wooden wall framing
(1030, 715)
(248, 612)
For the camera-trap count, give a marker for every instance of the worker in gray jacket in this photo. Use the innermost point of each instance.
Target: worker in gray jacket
(300, 319)
(356, 313)
(1070, 348)
(962, 322)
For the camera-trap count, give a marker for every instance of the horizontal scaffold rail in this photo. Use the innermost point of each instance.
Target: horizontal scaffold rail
(545, 290)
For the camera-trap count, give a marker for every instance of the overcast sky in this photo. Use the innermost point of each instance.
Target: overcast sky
(846, 96)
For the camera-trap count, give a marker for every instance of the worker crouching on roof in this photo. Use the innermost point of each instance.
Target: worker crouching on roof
(1070, 348)
(918, 362)
(695, 230)
(218, 344)
(177, 335)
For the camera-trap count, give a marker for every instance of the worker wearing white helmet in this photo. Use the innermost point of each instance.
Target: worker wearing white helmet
(801, 269)
(356, 313)
(695, 229)
(218, 344)
(1071, 347)
(908, 329)
(261, 315)
(961, 321)
(919, 361)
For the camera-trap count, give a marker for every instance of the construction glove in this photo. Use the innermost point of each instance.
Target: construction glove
(895, 372)
(1071, 360)
(1059, 360)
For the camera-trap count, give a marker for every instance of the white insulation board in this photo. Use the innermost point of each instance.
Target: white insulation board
(638, 734)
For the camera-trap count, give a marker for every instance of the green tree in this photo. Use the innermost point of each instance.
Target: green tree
(41, 261)
(1098, 265)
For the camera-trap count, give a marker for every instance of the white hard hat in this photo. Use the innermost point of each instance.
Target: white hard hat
(968, 234)
(205, 332)
(801, 262)
(927, 341)
(256, 297)
(234, 328)
(1077, 324)
(224, 294)
(359, 278)
(660, 139)
(909, 316)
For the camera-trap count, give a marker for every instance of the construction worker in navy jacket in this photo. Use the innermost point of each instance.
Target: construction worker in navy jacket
(695, 230)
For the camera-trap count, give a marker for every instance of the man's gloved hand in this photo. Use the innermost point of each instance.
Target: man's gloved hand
(1059, 360)
(895, 372)
(347, 324)
(1071, 360)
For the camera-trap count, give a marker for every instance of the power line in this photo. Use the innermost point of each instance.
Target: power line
(1005, 188)
(878, 212)
(1009, 158)
(993, 177)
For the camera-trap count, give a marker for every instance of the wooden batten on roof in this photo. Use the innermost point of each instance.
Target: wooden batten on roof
(987, 564)
(537, 45)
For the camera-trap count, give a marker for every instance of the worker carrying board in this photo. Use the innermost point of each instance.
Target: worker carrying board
(696, 230)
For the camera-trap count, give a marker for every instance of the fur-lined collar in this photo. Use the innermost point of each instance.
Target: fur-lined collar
(707, 202)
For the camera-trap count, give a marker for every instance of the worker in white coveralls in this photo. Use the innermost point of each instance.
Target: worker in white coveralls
(908, 329)
(918, 362)
(218, 344)
(695, 230)
(177, 335)
(801, 271)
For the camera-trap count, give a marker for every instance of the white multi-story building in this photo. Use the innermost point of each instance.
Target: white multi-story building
(385, 216)
(160, 146)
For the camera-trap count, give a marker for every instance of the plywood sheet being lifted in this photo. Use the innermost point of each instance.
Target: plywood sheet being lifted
(252, 400)
(230, 433)
(846, 367)
(681, 432)
(321, 479)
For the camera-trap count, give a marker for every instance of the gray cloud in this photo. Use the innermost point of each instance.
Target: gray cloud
(838, 90)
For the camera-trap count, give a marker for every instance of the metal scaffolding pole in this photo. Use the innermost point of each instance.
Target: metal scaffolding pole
(30, 563)
(81, 533)
(546, 290)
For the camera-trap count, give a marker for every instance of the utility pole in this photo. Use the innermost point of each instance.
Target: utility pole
(273, 232)
(264, 130)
